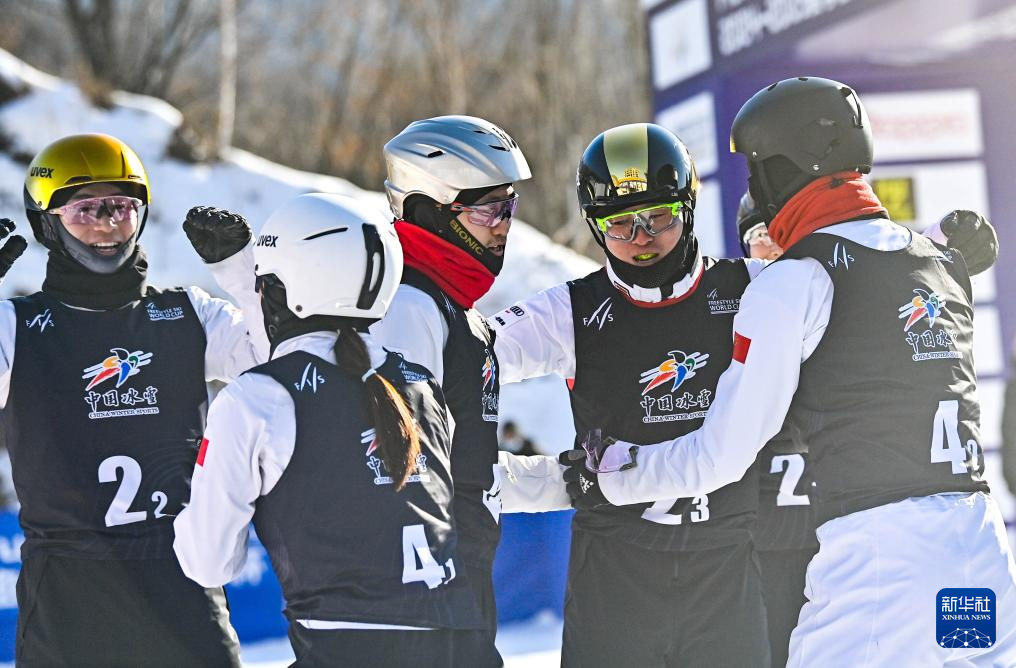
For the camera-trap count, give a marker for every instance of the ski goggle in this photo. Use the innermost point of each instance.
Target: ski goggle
(756, 235)
(117, 208)
(488, 214)
(653, 219)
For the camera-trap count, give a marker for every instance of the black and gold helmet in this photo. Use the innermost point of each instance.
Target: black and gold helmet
(635, 164)
(64, 167)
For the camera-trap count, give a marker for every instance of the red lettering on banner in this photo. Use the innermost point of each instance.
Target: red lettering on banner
(201, 451)
(741, 345)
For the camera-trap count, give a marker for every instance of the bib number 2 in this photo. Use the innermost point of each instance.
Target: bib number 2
(795, 469)
(118, 512)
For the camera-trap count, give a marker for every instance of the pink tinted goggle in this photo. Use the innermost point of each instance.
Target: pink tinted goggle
(488, 214)
(118, 208)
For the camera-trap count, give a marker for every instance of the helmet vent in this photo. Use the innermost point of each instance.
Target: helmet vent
(498, 148)
(325, 233)
(434, 154)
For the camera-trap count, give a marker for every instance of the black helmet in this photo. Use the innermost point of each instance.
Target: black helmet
(748, 217)
(641, 163)
(796, 130)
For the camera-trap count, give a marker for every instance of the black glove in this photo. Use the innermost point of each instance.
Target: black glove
(582, 484)
(11, 250)
(973, 236)
(216, 233)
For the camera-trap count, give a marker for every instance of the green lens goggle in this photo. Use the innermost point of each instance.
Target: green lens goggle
(653, 219)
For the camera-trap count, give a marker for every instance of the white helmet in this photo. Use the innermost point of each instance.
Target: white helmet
(335, 255)
(440, 157)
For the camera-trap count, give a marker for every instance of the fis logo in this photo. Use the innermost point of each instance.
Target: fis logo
(601, 316)
(489, 371)
(42, 172)
(924, 305)
(310, 379)
(840, 257)
(267, 240)
(43, 320)
(121, 365)
(680, 367)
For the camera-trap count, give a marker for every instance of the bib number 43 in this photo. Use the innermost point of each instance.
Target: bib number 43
(946, 445)
(418, 562)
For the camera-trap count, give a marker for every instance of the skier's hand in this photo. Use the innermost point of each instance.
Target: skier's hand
(216, 233)
(973, 236)
(12, 249)
(582, 484)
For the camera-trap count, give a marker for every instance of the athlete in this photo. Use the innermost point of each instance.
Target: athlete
(102, 391)
(878, 381)
(657, 315)
(339, 452)
(642, 342)
(451, 188)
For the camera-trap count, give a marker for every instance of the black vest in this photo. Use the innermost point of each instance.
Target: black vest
(105, 413)
(472, 387)
(647, 374)
(887, 402)
(344, 544)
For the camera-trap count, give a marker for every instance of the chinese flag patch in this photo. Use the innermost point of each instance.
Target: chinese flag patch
(741, 345)
(201, 451)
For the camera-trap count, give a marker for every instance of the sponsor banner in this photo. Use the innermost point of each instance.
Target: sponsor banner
(942, 124)
(694, 121)
(680, 45)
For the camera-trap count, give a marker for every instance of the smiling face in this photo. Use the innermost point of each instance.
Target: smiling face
(494, 238)
(645, 250)
(104, 237)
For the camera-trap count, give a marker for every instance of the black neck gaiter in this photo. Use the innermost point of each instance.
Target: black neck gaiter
(675, 265)
(72, 284)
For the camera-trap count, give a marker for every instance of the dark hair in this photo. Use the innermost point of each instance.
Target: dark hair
(397, 439)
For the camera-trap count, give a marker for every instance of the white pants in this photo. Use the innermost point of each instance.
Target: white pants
(872, 586)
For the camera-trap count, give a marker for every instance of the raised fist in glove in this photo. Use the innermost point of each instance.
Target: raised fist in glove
(216, 233)
(972, 235)
(12, 249)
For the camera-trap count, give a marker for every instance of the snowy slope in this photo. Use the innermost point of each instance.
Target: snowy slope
(52, 108)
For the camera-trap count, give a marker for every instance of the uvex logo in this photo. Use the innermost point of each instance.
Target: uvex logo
(42, 172)
(267, 240)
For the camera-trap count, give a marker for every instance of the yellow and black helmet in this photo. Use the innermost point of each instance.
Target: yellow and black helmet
(69, 164)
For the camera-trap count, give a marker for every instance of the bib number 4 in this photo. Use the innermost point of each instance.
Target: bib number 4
(418, 562)
(946, 445)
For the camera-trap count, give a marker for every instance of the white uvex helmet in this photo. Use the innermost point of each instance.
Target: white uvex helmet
(440, 157)
(335, 255)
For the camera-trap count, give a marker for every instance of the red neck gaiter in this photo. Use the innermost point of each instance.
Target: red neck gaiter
(825, 201)
(459, 275)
